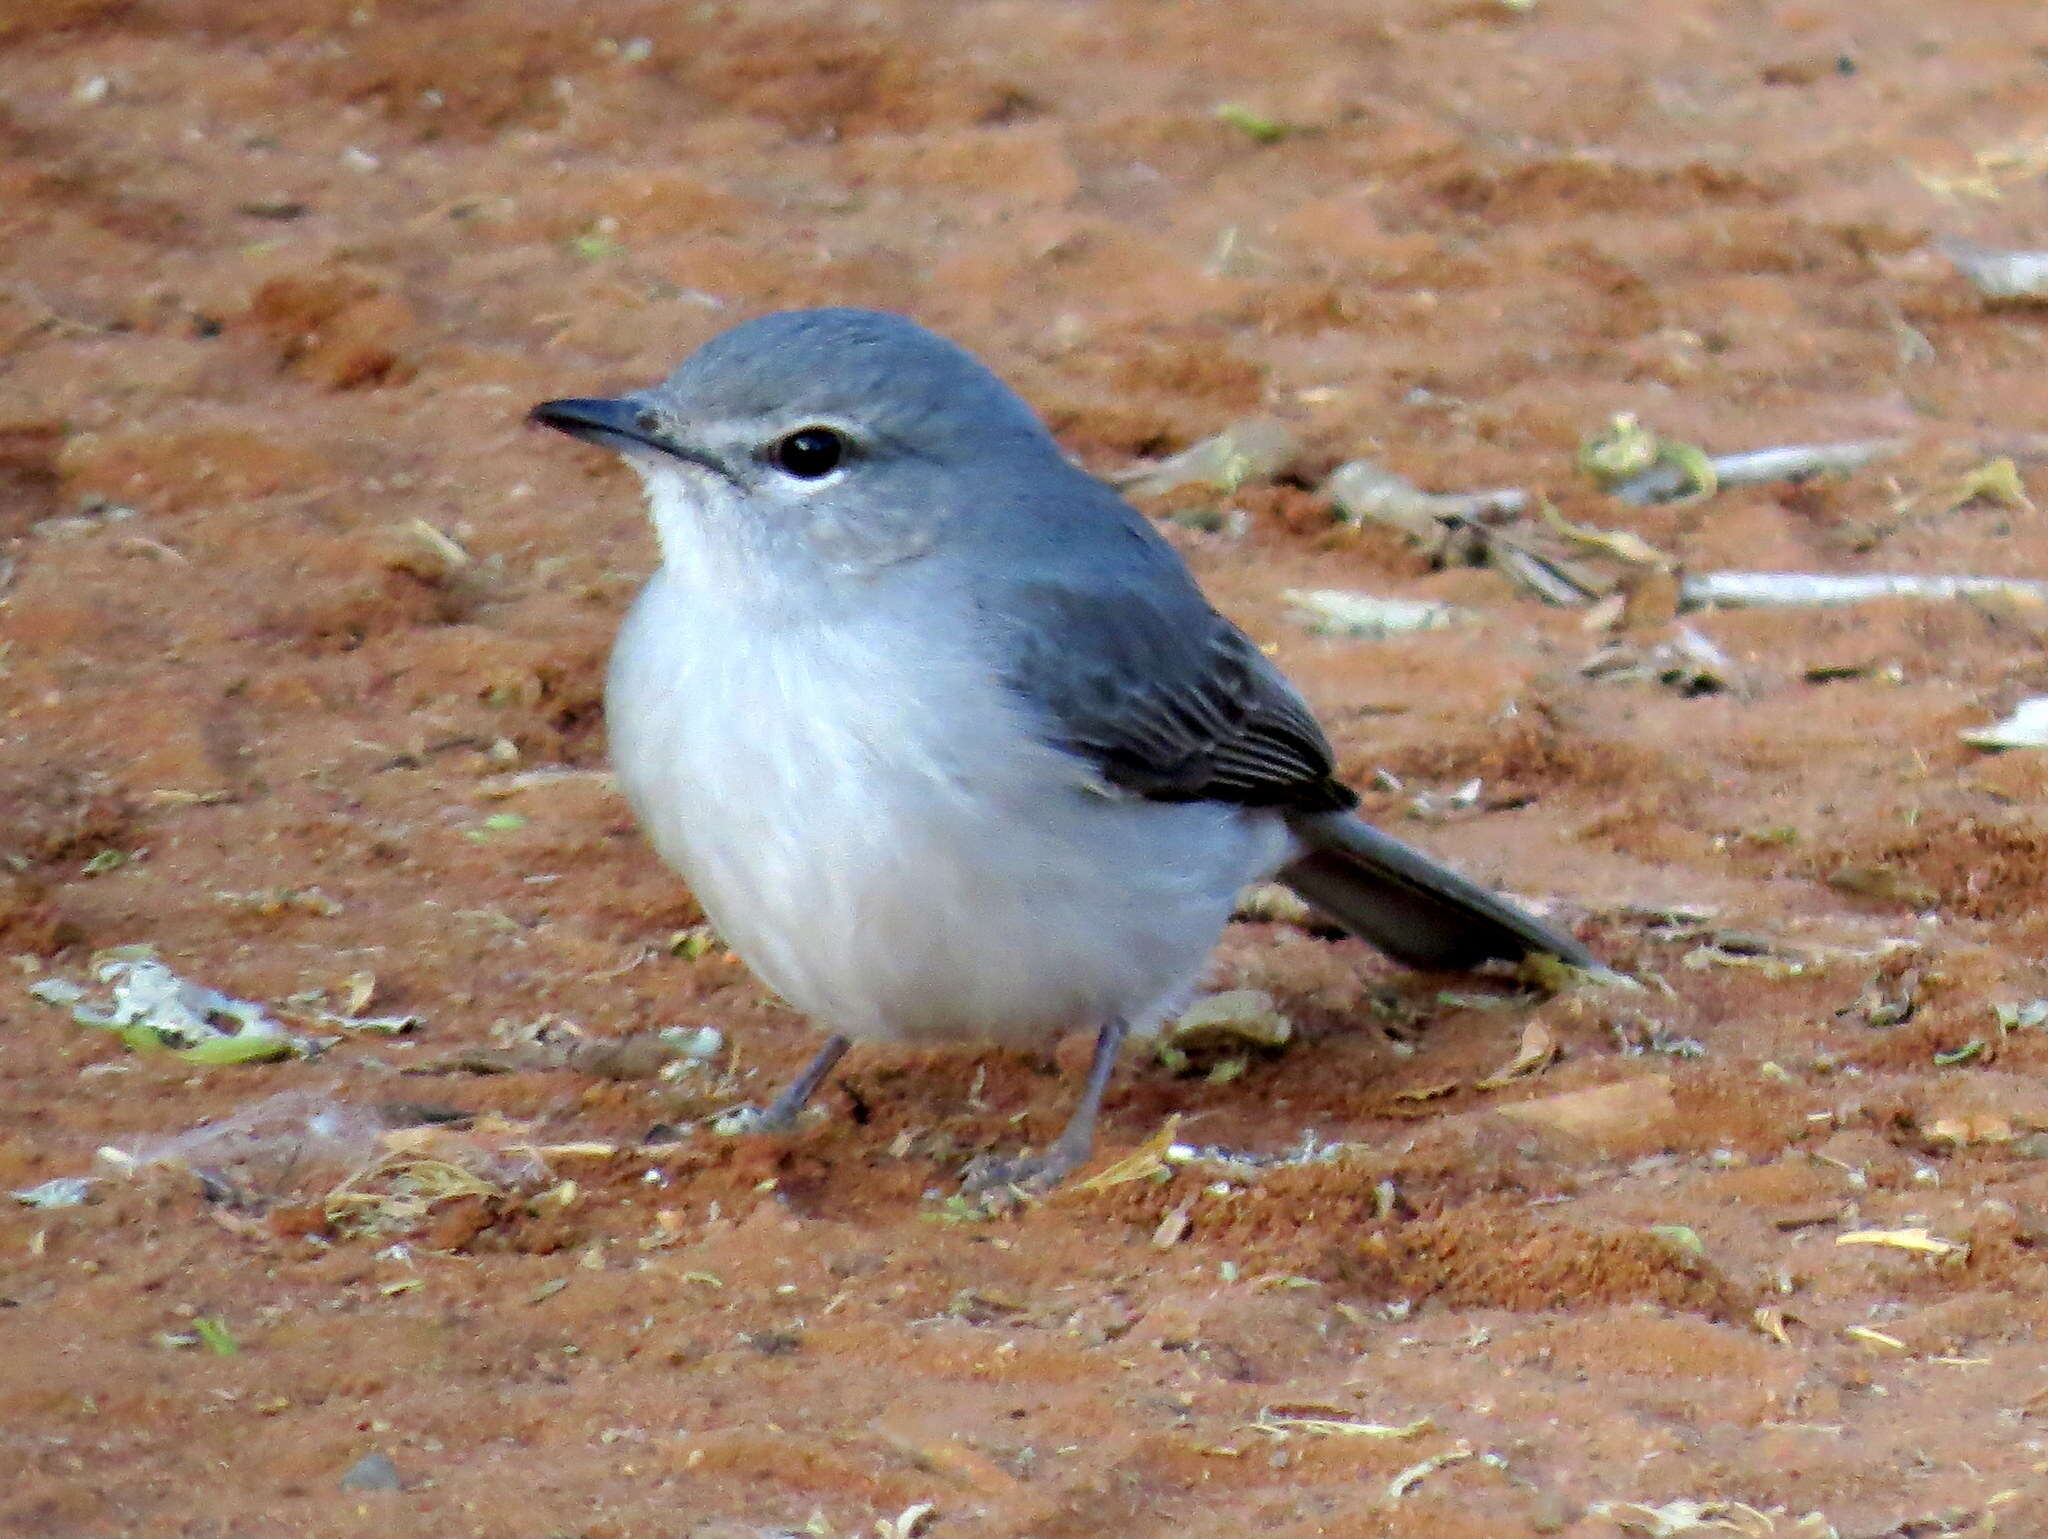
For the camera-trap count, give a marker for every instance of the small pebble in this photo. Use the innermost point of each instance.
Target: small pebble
(372, 1472)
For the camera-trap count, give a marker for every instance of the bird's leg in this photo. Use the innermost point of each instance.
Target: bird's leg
(1065, 1154)
(782, 1112)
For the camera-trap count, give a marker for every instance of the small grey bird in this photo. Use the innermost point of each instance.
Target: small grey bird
(940, 730)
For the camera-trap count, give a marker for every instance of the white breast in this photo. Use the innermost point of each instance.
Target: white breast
(868, 821)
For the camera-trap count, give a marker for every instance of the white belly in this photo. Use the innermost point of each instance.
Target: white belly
(857, 819)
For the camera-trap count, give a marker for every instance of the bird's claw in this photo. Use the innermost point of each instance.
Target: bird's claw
(744, 1121)
(1028, 1175)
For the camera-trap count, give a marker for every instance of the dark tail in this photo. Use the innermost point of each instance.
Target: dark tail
(1410, 907)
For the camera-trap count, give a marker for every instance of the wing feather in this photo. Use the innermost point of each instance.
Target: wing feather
(1163, 696)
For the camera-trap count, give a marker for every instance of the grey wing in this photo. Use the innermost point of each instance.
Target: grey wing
(1160, 694)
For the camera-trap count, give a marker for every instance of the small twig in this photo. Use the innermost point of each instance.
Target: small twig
(1664, 481)
(46, 314)
(1551, 578)
(1254, 450)
(1366, 493)
(1805, 590)
(2002, 277)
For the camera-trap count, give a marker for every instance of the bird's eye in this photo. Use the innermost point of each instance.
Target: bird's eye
(810, 452)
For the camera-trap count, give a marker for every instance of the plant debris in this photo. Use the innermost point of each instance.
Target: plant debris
(1884, 884)
(1553, 975)
(1284, 1421)
(909, 1523)
(1919, 1241)
(1150, 1161)
(1996, 481)
(1369, 616)
(1257, 449)
(1668, 480)
(1625, 453)
(1173, 1228)
(1220, 1030)
(1270, 903)
(1696, 1520)
(1547, 556)
(62, 1192)
(417, 1169)
(1537, 1052)
(2025, 727)
(1684, 1243)
(1416, 1473)
(1682, 660)
(1367, 493)
(1255, 126)
(1823, 590)
(1463, 530)
(2003, 277)
(2025, 1017)
(151, 1009)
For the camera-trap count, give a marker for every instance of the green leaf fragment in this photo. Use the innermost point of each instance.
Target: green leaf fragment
(245, 1047)
(496, 823)
(2024, 1017)
(1684, 1243)
(1255, 126)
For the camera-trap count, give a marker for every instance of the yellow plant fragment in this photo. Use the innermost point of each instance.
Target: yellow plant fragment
(1413, 1476)
(1537, 1052)
(1917, 1240)
(1172, 1229)
(1772, 1323)
(1142, 1163)
(1995, 481)
(1328, 1421)
(1618, 543)
(1428, 1092)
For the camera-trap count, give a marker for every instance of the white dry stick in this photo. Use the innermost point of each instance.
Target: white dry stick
(1665, 481)
(1366, 493)
(1369, 616)
(2026, 727)
(1814, 590)
(2003, 277)
(1254, 450)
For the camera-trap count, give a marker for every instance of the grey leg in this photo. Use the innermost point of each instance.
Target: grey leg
(1076, 1142)
(782, 1112)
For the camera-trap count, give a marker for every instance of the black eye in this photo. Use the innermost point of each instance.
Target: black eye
(810, 452)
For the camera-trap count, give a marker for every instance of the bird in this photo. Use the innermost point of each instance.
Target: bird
(940, 730)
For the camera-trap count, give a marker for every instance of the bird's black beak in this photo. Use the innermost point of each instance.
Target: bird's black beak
(613, 422)
(621, 423)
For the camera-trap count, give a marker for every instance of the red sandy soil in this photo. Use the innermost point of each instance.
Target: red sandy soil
(277, 283)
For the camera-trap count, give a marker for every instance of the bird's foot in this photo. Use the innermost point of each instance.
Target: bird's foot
(1027, 1175)
(790, 1110)
(745, 1121)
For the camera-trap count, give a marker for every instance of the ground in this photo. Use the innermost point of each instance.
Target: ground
(301, 647)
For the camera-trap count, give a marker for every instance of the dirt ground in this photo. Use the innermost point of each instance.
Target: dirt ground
(301, 643)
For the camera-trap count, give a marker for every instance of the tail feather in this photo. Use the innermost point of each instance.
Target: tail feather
(1412, 908)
